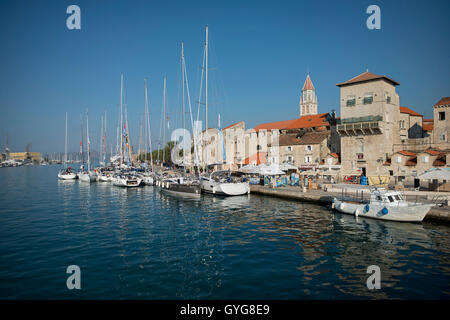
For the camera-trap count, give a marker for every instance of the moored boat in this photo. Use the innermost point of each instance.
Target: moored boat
(384, 205)
(225, 183)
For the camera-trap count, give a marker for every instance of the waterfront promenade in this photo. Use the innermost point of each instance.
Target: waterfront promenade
(325, 197)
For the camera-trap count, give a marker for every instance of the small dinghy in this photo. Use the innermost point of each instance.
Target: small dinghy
(384, 205)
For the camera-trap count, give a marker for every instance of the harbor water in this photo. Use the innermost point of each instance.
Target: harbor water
(138, 243)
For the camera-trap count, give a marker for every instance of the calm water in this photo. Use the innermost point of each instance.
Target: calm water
(139, 243)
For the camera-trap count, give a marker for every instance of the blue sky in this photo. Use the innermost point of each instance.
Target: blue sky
(260, 54)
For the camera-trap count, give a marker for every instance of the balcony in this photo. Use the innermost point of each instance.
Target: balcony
(360, 126)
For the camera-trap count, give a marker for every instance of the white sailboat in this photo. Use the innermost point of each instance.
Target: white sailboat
(66, 173)
(221, 182)
(87, 175)
(182, 185)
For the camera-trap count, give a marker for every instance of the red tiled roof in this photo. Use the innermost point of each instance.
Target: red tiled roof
(433, 152)
(234, 124)
(409, 111)
(274, 125)
(428, 126)
(310, 121)
(367, 76)
(308, 84)
(316, 120)
(443, 101)
(407, 153)
(259, 158)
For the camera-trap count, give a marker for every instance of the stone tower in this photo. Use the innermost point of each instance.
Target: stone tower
(308, 99)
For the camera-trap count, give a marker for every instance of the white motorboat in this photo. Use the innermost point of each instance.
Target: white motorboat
(384, 205)
(225, 183)
(126, 180)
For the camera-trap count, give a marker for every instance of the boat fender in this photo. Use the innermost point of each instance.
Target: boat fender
(357, 212)
(214, 190)
(341, 207)
(367, 208)
(332, 205)
(385, 211)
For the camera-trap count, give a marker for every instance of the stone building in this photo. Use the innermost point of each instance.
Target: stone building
(441, 131)
(368, 124)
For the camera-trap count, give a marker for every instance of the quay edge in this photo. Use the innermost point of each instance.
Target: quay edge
(441, 215)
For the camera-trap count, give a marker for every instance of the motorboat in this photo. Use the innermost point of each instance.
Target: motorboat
(384, 205)
(227, 183)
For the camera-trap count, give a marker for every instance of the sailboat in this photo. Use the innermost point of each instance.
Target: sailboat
(66, 173)
(148, 177)
(125, 177)
(182, 185)
(221, 182)
(87, 175)
(225, 182)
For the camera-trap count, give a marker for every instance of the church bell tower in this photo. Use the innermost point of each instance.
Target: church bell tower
(308, 99)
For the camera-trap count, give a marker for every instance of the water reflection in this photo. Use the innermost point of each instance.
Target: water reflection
(141, 243)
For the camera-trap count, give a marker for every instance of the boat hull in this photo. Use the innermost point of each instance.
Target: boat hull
(85, 177)
(225, 189)
(67, 176)
(128, 183)
(411, 213)
(184, 190)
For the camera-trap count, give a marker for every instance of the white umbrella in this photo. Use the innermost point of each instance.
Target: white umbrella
(269, 170)
(250, 168)
(436, 174)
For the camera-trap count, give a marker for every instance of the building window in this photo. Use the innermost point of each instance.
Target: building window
(425, 159)
(388, 98)
(308, 148)
(442, 115)
(368, 98)
(442, 137)
(398, 159)
(360, 156)
(289, 148)
(290, 158)
(402, 124)
(308, 159)
(351, 101)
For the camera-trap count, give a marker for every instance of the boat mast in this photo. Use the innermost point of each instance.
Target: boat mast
(101, 140)
(65, 148)
(182, 104)
(147, 121)
(104, 141)
(206, 99)
(88, 142)
(164, 121)
(121, 119)
(81, 142)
